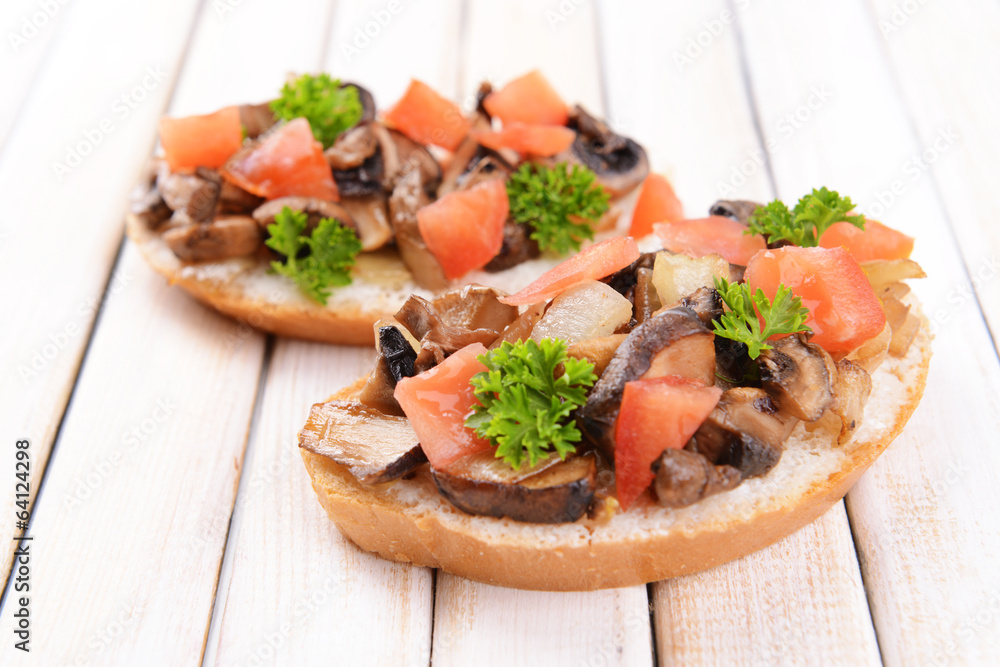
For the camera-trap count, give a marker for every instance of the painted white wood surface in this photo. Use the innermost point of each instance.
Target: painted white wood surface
(927, 545)
(292, 590)
(27, 30)
(58, 238)
(814, 612)
(473, 620)
(944, 58)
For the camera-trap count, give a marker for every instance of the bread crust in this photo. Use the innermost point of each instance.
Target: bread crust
(409, 522)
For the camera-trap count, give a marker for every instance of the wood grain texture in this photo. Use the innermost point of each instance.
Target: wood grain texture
(292, 590)
(59, 232)
(697, 114)
(945, 61)
(927, 547)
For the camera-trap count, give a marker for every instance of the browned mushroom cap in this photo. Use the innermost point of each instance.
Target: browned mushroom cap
(400, 155)
(673, 342)
(851, 392)
(395, 361)
(146, 201)
(683, 478)
(619, 162)
(517, 247)
(195, 195)
(737, 209)
(257, 118)
(799, 377)
(745, 430)
(224, 237)
(352, 148)
(376, 448)
(408, 197)
(371, 219)
(472, 163)
(316, 209)
(558, 493)
(234, 199)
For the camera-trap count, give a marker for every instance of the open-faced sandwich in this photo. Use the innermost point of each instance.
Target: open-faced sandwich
(631, 416)
(313, 216)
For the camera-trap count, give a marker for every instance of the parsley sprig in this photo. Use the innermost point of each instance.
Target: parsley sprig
(524, 407)
(331, 247)
(805, 224)
(740, 322)
(560, 204)
(319, 99)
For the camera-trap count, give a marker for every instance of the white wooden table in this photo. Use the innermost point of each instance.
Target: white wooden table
(172, 520)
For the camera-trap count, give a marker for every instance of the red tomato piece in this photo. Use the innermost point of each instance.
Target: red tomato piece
(656, 415)
(593, 263)
(464, 230)
(716, 234)
(528, 99)
(541, 140)
(287, 162)
(437, 402)
(876, 241)
(201, 141)
(428, 118)
(843, 309)
(657, 203)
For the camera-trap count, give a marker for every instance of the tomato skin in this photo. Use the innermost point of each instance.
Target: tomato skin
(201, 141)
(844, 311)
(657, 203)
(540, 140)
(528, 99)
(464, 229)
(716, 234)
(287, 162)
(437, 402)
(656, 415)
(428, 118)
(876, 241)
(593, 263)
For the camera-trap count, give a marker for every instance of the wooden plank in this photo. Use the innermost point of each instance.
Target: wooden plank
(28, 28)
(803, 596)
(943, 58)
(331, 599)
(926, 545)
(60, 230)
(475, 621)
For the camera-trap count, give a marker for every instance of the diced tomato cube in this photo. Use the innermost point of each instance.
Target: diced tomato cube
(528, 99)
(201, 141)
(540, 140)
(713, 235)
(657, 203)
(876, 241)
(428, 118)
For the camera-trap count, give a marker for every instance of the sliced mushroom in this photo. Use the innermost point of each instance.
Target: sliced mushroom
(192, 194)
(394, 362)
(733, 365)
(224, 237)
(737, 209)
(706, 303)
(798, 375)
(376, 448)
(475, 307)
(646, 299)
(352, 148)
(683, 478)
(598, 351)
(560, 493)
(521, 328)
(619, 162)
(407, 198)
(517, 247)
(316, 209)
(401, 155)
(371, 220)
(852, 389)
(146, 201)
(673, 342)
(234, 199)
(624, 280)
(257, 118)
(362, 181)
(745, 430)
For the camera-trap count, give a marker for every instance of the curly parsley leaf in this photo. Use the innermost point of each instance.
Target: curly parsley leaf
(524, 408)
(804, 225)
(784, 315)
(331, 249)
(319, 99)
(560, 204)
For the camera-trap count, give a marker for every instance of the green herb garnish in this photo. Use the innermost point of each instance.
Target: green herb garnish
(805, 224)
(524, 407)
(319, 99)
(783, 315)
(560, 205)
(332, 248)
